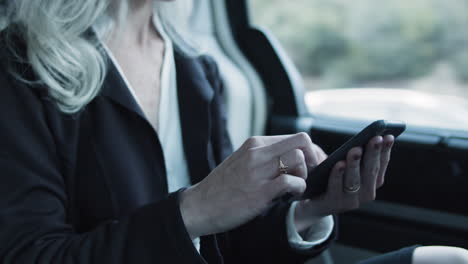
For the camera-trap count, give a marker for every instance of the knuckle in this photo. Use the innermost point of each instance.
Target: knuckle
(305, 137)
(248, 143)
(252, 156)
(252, 142)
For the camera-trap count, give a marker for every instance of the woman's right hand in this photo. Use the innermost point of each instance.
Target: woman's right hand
(244, 185)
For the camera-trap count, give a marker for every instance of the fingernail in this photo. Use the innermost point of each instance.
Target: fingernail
(357, 157)
(341, 170)
(389, 144)
(378, 145)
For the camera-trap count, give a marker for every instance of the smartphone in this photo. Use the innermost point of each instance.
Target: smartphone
(317, 180)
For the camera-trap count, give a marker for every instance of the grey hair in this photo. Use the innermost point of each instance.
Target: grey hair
(69, 63)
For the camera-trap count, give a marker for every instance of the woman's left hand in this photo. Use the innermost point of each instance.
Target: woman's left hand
(366, 176)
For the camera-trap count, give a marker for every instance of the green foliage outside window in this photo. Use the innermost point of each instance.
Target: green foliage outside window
(358, 41)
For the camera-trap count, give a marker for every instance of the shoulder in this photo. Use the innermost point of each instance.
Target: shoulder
(24, 101)
(16, 74)
(30, 121)
(18, 81)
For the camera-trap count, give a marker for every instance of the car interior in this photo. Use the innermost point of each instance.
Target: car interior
(425, 198)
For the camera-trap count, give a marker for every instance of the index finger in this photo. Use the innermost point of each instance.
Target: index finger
(300, 141)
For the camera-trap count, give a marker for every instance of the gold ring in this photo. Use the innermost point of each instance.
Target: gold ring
(282, 168)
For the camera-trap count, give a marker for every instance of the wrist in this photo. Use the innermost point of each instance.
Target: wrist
(190, 211)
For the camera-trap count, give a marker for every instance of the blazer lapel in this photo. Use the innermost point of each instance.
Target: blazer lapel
(195, 95)
(116, 89)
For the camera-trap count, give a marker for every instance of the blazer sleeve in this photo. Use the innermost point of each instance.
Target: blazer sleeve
(264, 239)
(33, 201)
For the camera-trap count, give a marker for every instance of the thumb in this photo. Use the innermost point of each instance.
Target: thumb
(283, 184)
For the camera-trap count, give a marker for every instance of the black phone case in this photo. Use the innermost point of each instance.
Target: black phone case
(317, 180)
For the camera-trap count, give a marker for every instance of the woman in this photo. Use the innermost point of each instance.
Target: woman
(107, 117)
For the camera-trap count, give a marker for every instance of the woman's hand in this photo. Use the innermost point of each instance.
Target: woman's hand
(363, 177)
(245, 184)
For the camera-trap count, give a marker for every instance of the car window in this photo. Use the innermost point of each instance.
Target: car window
(367, 59)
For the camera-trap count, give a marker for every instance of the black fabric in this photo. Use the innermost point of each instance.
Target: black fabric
(402, 256)
(91, 187)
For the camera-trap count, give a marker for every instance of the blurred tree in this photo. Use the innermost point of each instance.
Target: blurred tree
(367, 40)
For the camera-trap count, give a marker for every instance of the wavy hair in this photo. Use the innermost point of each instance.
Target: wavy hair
(65, 60)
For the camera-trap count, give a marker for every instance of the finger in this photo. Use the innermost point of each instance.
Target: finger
(335, 182)
(259, 141)
(284, 184)
(295, 162)
(300, 141)
(352, 178)
(370, 169)
(321, 155)
(342, 201)
(388, 142)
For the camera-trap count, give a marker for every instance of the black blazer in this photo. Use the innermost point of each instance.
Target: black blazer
(91, 187)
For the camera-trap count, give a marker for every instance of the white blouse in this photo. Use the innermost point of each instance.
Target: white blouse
(170, 136)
